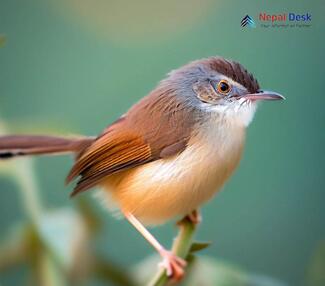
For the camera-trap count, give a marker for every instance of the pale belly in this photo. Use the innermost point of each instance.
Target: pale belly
(167, 188)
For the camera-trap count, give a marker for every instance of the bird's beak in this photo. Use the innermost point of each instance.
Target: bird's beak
(264, 95)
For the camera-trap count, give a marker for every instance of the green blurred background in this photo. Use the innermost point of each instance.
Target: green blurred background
(73, 66)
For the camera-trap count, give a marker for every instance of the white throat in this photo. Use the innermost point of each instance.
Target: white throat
(239, 112)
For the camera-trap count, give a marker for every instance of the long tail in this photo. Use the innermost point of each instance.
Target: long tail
(21, 145)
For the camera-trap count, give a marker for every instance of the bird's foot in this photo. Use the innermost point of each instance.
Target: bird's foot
(195, 217)
(173, 264)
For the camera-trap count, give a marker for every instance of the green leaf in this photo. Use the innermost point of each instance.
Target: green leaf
(65, 235)
(198, 246)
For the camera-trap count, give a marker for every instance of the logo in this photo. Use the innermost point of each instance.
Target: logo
(278, 20)
(248, 21)
(285, 20)
(284, 17)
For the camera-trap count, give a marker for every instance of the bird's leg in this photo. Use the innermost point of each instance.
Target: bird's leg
(173, 264)
(194, 217)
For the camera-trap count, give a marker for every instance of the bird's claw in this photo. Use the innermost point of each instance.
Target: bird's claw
(173, 264)
(195, 217)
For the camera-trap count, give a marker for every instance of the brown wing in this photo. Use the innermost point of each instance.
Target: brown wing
(132, 141)
(110, 153)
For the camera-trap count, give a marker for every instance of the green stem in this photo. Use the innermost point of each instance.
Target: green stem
(181, 248)
(29, 191)
(13, 248)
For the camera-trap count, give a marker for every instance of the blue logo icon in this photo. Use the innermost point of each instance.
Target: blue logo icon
(248, 21)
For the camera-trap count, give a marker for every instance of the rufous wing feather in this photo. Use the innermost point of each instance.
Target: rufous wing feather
(111, 153)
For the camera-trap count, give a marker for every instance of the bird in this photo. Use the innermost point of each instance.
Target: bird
(169, 154)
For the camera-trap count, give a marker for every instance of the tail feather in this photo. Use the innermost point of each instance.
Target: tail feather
(21, 145)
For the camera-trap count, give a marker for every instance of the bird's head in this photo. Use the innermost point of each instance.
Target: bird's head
(220, 86)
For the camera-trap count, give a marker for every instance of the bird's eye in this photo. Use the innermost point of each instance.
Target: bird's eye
(223, 87)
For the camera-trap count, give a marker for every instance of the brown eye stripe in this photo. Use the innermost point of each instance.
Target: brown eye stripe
(235, 71)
